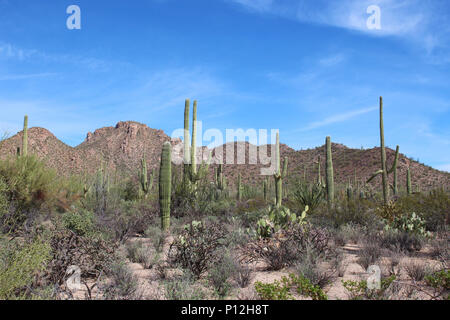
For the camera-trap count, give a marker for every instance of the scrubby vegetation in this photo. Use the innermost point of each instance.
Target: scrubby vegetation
(200, 238)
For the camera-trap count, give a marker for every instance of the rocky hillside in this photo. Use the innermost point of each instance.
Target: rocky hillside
(122, 147)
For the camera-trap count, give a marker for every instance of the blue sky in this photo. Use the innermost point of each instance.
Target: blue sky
(308, 68)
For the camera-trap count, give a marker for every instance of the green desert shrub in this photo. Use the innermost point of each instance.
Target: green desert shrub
(19, 264)
(123, 284)
(281, 290)
(81, 222)
(434, 207)
(410, 223)
(30, 188)
(183, 287)
(221, 272)
(30, 182)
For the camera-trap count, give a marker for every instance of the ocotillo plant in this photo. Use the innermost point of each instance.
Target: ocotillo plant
(329, 171)
(239, 187)
(146, 184)
(25, 137)
(408, 182)
(384, 172)
(165, 185)
(279, 175)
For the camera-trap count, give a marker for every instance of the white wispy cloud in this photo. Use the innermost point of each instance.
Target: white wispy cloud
(26, 76)
(332, 60)
(13, 52)
(337, 118)
(424, 22)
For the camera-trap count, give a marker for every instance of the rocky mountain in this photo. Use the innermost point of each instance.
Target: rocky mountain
(122, 147)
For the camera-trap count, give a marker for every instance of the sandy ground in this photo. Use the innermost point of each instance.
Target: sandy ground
(150, 281)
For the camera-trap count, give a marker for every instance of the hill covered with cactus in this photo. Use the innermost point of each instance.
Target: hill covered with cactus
(123, 146)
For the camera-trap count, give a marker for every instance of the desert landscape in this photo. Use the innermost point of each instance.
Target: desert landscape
(204, 156)
(115, 218)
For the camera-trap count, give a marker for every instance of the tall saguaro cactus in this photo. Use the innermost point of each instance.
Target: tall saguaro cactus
(191, 172)
(383, 156)
(408, 182)
(394, 169)
(187, 154)
(194, 140)
(384, 171)
(329, 171)
(25, 137)
(165, 185)
(265, 189)
(220, 179)
(239, 187)
(279, 175)
(146, 184)
(319, 176)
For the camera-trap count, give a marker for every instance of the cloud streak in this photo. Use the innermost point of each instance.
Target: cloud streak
(337, 118)
(9, 77)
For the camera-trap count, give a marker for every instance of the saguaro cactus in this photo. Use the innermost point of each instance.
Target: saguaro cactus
(394, 169)
(187, 154)
(408, 182)
(279, 175)
(146, 184)
(25, 137)
(165, 185)
(319, 176)
(194, 140)
(220, 179)
(239, 187)
(191, 172)
(384, 172)
(383, 156)
(329, 171)
(265, 189)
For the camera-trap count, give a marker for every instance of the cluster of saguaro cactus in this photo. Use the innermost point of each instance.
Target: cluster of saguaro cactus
(329, 171)
(384, 171)
(165, 185)
(146, 184)
(279, 175)
(25, 137)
